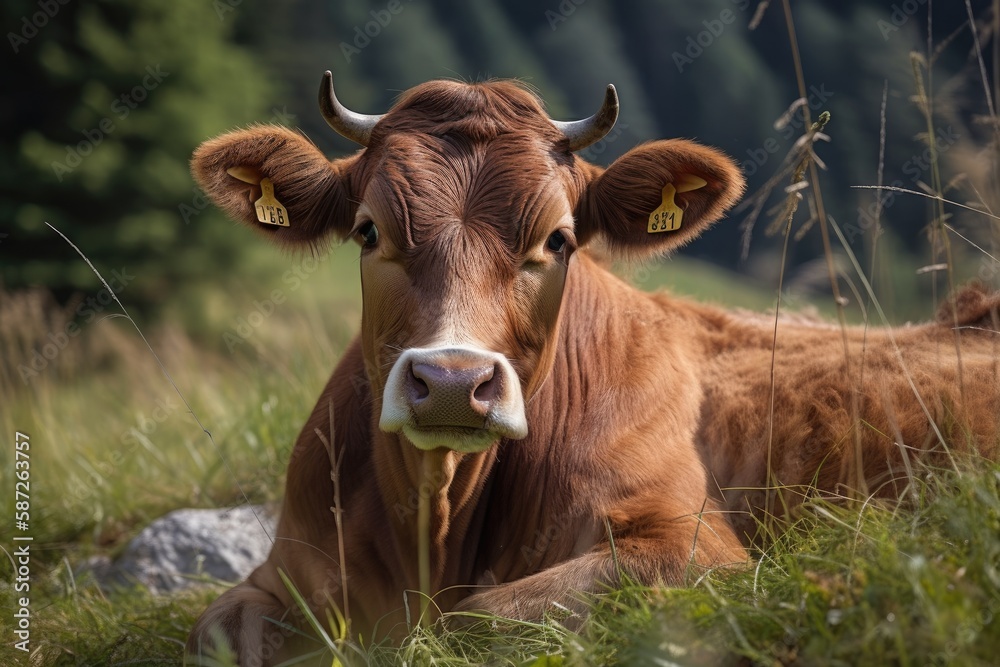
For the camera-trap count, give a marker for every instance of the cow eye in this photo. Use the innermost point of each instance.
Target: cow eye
(368, 233)
(556, 242)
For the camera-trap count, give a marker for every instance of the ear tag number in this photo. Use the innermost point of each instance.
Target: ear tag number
(668, 215)
(269, 210)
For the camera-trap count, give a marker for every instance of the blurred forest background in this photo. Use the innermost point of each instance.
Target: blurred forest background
(105, 101)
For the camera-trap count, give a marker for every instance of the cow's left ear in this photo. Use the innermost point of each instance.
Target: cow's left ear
(657, 197)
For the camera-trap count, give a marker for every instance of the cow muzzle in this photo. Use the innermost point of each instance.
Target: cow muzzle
(461, 398)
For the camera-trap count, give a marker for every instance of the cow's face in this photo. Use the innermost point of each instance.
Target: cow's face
(468, 206)
(464, 253)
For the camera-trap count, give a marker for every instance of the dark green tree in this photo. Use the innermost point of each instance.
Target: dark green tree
(107, 100)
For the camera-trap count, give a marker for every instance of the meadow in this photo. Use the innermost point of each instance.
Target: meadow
(114, 446)
(206, 414)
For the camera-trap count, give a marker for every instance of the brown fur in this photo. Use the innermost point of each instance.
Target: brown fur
(646, 413)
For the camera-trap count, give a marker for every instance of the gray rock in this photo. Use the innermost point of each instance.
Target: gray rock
(178, 549)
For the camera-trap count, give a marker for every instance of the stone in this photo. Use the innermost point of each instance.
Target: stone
(190, 546)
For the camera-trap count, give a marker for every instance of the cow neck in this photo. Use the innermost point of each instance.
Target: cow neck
(605, 325)
(453, 483)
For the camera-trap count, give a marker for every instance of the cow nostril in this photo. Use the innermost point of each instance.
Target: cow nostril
(418, 386)
(450, 395)
(488, 389)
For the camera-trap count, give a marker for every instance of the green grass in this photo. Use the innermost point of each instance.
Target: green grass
(861, 585)
(702, 281)
(846, 585)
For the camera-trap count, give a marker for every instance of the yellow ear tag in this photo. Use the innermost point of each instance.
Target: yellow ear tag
(269, 210)
(689, 182)
(245, 174)
(668, 215)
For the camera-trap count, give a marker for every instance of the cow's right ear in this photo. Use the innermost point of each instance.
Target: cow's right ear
(312, 190)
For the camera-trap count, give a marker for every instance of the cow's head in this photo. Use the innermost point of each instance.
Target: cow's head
(468, 206)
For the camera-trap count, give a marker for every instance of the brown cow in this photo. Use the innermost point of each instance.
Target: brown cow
(547, 401)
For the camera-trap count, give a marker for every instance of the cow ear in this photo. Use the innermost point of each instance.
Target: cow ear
(275, 173)
(657, 197)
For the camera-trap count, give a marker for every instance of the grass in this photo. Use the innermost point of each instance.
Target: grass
(847, 584)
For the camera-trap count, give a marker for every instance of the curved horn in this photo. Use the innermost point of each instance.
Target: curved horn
(582, 133)
(354, 126)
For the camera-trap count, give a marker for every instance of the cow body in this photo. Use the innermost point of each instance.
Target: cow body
(650, 419)
(848, 418)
